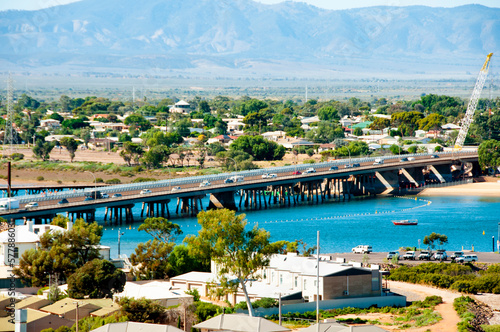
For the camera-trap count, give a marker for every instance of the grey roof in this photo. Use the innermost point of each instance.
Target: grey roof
(136, 327)
(240, 323)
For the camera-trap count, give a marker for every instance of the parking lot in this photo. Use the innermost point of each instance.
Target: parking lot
(381, 257)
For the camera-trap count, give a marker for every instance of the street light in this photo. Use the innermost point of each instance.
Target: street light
(349, 155)
(235, 164)
(120, 233)
(95, 184)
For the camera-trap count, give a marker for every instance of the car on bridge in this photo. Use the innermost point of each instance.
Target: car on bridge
(348, 166)
(296, 173)
(145, 191)
(228, 181)
(434, 156)
(269, 176)
(334, 168)
(116, 195)
(205, 184)
(63, 201)
(89, 198)
(104, 195)
(176, 188)
(309, 170)
(356, 165)
(31, 205)
(403, 160)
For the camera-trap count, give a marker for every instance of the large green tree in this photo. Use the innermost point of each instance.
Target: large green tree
(96, 279)
(489, 154)
(151, 259)
(235, 250)
(433, 238)
(71, 145)
(42, 149)
(60, 253)
(258, 147)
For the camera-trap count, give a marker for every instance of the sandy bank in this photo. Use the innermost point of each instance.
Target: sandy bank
(489, 189)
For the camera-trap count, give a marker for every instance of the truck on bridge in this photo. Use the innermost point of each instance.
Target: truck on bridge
(9, 204)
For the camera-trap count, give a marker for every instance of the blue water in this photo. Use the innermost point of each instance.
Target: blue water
(343, 225)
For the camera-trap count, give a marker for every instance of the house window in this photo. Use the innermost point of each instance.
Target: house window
(296, 281)
(375, 281)
(16, 252)
(281, 279)
(305, 284)
(272, 277)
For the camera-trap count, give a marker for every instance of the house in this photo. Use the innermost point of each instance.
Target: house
(33, 302)
(451, 126)
(50, 124)
(162, 292)
(310, 120)
(290, 143)
(181, 106)
(294, 278)
(67, 308)
(274, 135)
(35, 321)
(136, 327)
(222, 139)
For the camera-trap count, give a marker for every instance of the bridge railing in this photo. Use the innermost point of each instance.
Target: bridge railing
(169, 183)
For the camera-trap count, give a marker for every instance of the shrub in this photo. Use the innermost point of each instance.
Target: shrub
(113, 181)
(59, 182)
(309, 161)
(17, 156)
(40, 178)
(99, 180)
(138, 180)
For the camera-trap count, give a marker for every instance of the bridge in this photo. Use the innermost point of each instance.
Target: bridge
(333, 180)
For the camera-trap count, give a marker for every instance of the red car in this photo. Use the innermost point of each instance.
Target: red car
(297, 173)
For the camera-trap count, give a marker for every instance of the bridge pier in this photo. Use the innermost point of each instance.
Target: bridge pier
(224, 200)
(87, 215)
(189, 205)
(116, 213)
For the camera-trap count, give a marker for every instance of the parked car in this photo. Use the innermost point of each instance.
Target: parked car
(116, 195)
(402, 160)
(424, 255)
(409, 255)
(440, 255)
(176, 188)
(145, 191)
(228, 181)
(309, 170)
(456, 255)
(269, 176)
(104, 195)
(205, 184)
(297, 173)
(466, 258)
(362, 249)
(392, 254)
(63, 201)
(31, 205)
(334, 168)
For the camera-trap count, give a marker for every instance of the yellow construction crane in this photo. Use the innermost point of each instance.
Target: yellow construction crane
(471, 108)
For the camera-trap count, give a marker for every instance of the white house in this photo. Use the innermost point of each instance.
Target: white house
(26, 237)
(159, 291)
(180, 107)
(50, 124)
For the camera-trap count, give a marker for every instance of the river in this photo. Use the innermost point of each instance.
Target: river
(467, 221)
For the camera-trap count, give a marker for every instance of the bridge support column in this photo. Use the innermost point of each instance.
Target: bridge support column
(224, 200)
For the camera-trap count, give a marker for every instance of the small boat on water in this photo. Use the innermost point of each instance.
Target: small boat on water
(405, 222)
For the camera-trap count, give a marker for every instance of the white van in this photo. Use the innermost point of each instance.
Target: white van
(378, 161)
(362, 249)
(237, 178)
(411, 158)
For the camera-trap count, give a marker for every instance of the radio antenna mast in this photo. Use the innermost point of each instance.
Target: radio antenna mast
(10, 135)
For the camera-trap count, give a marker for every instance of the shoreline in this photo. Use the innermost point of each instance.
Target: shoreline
(485, 189)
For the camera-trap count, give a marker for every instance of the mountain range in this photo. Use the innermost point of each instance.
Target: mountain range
(243, 37)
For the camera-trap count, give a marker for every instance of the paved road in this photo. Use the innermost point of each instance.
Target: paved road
(381, 257)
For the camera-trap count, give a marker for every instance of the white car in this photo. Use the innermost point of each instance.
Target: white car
(176, 188)
(145, 191)
(362, 249)
(31, 205)
(104, 195)
(309, 170)
(205, 184)
(466, 259)
(269, 176)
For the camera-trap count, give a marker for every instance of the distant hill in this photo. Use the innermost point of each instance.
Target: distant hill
(241, 36)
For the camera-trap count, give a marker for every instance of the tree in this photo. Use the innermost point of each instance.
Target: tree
(138, 121)
(328, 113)
(152, 258)
(42, 149)
(325, 132)
(96, 279)
(236, 251)
(429, 240)
(258, 147)
(489, 154)
(60, 253)
(156, 156)
(142, 310)
(357, 131)
(131, 152)
(71, 145)
(432, 121)
(380, 123)
(406, 121)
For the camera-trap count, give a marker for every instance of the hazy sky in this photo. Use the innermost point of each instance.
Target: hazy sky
(329, 4)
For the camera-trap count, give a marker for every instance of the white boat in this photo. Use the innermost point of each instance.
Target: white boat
(405, 222)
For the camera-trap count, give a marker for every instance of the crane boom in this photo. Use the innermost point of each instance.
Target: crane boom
(471, 108)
